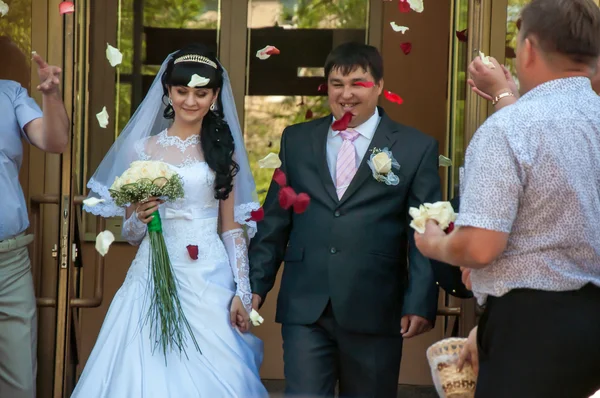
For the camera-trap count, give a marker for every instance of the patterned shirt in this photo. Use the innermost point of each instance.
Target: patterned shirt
(533, 170)
(17, 109)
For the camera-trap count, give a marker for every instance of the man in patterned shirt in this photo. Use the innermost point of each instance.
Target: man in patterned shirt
(529, 223)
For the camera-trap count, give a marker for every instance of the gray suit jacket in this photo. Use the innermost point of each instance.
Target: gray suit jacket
(358, 252)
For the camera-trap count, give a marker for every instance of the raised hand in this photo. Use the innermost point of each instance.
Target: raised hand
(487, 82)
(49, 76)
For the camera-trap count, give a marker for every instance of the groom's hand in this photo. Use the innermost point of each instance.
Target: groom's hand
(256, 301)
(413, 325)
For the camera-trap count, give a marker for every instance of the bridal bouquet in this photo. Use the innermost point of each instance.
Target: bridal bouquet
(142, 180)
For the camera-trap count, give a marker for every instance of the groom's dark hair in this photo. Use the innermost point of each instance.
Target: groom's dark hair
(349, 56)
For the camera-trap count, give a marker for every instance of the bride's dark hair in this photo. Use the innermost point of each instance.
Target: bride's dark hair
(216, 139)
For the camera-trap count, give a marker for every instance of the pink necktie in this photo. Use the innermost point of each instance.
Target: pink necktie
(346, 162)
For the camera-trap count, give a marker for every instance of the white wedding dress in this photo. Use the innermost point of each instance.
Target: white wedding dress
(124, 362)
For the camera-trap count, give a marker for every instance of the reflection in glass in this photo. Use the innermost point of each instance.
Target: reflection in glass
(283, 89)
(458, 90)
(513, 11)
(148, 31)
(15, 43)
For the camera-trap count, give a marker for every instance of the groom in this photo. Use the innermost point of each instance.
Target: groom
(354, 284)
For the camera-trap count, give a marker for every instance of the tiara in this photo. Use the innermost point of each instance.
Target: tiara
(196, 58)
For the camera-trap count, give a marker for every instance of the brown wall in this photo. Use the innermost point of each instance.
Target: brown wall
(421, 79)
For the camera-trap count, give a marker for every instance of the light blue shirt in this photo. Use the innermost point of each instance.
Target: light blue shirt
(335, 141)
(16, 110)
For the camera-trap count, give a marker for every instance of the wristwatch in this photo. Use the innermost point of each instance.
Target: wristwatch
(502, 95)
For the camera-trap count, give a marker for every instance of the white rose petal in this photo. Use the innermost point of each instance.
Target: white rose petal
(262, 53)
(113, 55)
(256, 319)
(3, 8)
(444, 161)
(486, 60)
(416, 5)
(271, 161)
(418, 224)
(398, 28)
(102, 118)
(91, 202)
(382, 163)
(103, 242)
(198, 81)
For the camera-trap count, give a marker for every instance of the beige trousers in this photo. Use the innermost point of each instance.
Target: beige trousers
(18, 320)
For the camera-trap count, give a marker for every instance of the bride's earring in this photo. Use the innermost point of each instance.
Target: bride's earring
(212, 107)
(170, 101)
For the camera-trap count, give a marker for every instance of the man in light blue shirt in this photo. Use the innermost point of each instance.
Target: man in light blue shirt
(49, 131)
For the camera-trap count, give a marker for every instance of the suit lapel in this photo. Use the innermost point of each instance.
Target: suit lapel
(320, 148)
(384, 137)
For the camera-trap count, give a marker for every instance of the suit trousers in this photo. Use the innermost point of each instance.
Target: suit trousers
(18, 321)
(540, 344)
(318, 356)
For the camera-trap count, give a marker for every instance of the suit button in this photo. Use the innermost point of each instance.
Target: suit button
(337, 213)
(333, 250)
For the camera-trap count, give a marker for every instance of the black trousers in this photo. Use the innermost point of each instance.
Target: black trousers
(317, 356)
(537, 344)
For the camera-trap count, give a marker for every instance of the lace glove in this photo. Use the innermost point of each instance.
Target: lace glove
(237, 251)
(133, 229)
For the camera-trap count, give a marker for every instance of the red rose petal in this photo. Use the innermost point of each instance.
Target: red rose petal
(406, 47)
(280, 178)
(450, 228)
(308, 115)
(342, 124)
(257, 215)
(302, 202)
(403, 6)
(392, 97)
(193, 251)
(272, 50)
(322, 88)
(364, 84)
(287, 197)
(462, 35)
(66, 7)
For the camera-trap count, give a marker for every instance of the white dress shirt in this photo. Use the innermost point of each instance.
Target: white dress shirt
(334, 142)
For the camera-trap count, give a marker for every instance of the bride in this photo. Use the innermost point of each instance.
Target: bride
(213, 286)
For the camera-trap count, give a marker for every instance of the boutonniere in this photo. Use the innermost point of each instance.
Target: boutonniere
(381, 163)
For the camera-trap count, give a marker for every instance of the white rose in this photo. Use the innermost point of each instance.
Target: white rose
(382, 163)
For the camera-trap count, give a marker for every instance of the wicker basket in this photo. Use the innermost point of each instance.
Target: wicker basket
(448, 381)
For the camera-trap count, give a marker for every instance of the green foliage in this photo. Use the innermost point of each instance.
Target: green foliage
(346, 14)
(17, 24)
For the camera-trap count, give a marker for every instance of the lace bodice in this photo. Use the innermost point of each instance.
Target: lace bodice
(170, 149)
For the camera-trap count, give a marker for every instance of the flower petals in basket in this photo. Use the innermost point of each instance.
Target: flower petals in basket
(448, 380)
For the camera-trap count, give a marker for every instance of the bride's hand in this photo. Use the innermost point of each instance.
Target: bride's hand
(238, 315)
(145, 209)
